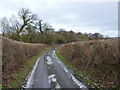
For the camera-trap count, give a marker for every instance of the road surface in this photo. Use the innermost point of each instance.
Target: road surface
(50, 72)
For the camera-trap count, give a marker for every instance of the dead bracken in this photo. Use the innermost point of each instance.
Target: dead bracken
(100, 57)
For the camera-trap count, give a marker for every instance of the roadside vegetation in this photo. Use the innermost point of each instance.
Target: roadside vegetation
(83, 75)
(96, 61)
(15, 57)
(19, 77)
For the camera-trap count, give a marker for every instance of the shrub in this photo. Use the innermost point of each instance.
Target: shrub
(100, 57)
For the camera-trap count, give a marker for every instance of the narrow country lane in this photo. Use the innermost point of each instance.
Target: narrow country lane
(50, 72)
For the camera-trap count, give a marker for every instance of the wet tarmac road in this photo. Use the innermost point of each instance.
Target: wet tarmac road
(50, 72)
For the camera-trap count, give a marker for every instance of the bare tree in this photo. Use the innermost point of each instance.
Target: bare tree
(4, 25)
(27, 18)
(14, 27)
(9, 26)
(47, 28)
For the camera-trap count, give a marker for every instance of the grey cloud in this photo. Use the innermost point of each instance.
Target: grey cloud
(102, 16)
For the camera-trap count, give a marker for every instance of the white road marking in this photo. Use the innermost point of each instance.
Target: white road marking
(77, 82)
(31, 76)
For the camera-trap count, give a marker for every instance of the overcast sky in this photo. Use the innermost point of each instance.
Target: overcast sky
(74, 15)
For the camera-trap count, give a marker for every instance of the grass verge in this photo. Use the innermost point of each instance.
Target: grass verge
(85, 75)
(19, 76)
(64, 61)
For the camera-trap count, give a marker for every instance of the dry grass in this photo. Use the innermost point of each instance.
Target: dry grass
(100, 57)
(15, 54)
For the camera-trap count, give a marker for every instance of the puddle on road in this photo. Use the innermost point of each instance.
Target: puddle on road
(65, 70)
(52, 78)
(53, 81)
(58, 85)
(49, 61)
